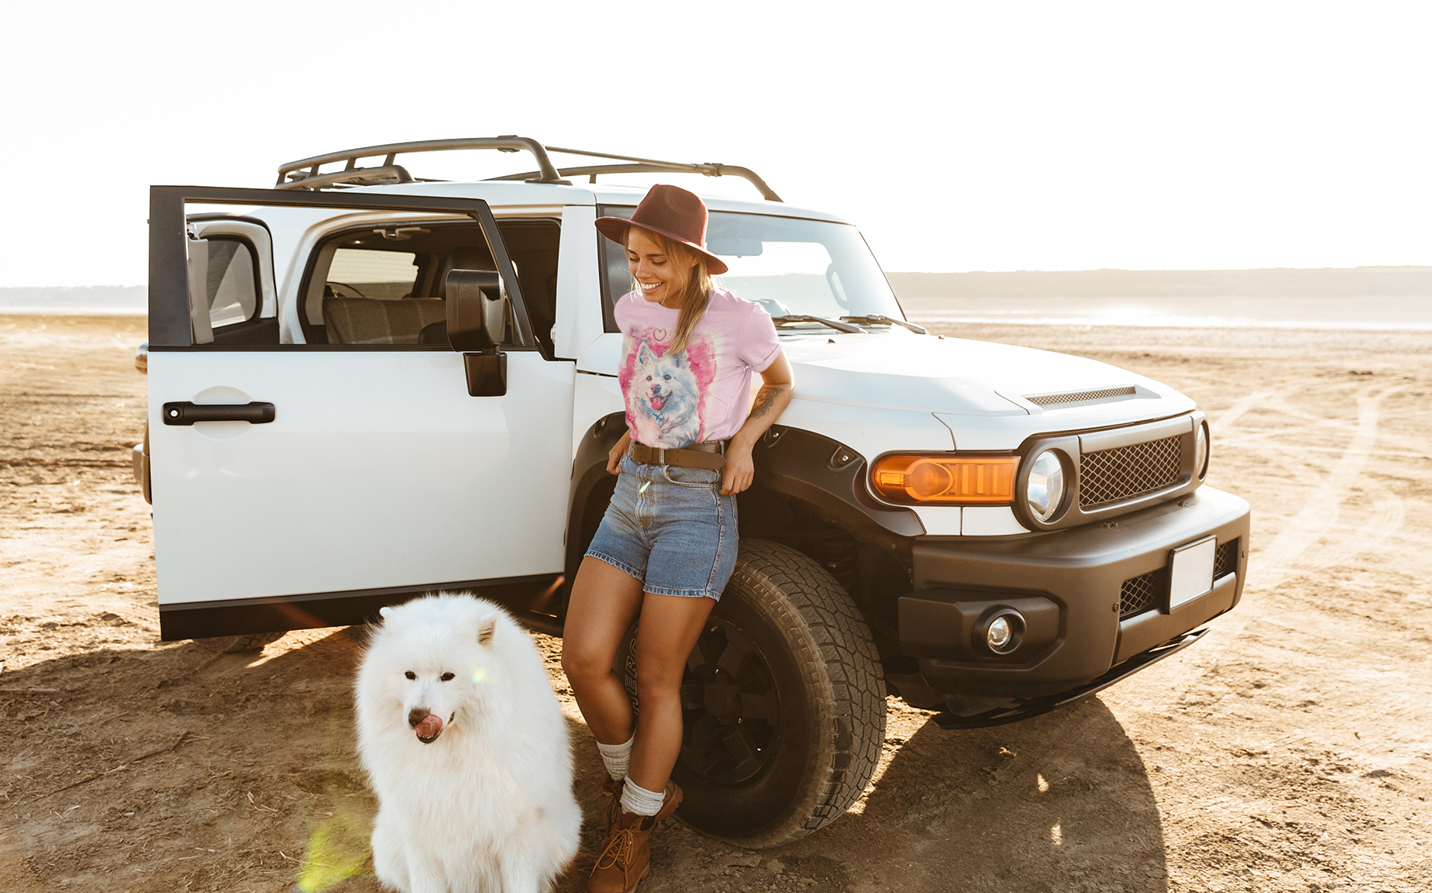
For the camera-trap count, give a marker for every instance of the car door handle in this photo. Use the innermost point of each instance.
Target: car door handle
(188, 413)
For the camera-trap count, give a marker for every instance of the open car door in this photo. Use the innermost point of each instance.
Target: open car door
(300, 485)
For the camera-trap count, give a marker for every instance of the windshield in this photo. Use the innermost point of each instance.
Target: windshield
(790, 267)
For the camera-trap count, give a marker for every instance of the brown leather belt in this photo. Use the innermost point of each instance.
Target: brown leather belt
(698, 455)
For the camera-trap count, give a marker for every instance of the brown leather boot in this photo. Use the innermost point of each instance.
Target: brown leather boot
(611, 804)
(626, 856)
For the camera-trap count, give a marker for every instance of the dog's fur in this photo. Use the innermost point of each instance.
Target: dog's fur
(664, 399)
(485, 802)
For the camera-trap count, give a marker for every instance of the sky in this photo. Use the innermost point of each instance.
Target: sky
(959, 136)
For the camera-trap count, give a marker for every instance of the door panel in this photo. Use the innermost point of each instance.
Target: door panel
(378, 470)
(375, 475)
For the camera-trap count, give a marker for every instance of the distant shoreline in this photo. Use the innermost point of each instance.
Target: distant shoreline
(74, 311)
(1364, 299)
(1409, 281)
(100, 300)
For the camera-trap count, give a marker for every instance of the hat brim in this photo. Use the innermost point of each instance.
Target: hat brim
(615, 228)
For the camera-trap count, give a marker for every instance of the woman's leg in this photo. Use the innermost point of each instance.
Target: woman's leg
(604, 603)
(670, 626)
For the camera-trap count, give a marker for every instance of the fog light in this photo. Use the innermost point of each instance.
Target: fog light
(999, 634)
(1002, 632)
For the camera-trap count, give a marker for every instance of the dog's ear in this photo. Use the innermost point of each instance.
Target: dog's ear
(486, 629)
(644, 355)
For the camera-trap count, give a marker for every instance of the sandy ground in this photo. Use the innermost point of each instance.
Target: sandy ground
(1287, 751)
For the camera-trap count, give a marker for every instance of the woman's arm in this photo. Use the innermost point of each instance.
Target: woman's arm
(771, 401)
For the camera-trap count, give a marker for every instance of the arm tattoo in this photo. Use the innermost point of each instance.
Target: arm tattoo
(764, 398)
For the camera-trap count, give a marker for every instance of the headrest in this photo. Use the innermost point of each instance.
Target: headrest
(469, 257)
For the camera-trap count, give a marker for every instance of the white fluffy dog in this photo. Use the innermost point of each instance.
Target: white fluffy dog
(467, 750)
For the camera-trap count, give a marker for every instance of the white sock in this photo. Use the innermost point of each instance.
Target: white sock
(638, 800)
(617, 758)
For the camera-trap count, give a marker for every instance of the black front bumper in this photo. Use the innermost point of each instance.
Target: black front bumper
(1080, 624)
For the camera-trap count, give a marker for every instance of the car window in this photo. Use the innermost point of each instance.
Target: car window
(386, 287)
(787, 265)
(379, 275)
(232, 282)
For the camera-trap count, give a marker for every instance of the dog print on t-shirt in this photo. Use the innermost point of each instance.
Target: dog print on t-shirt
(668, 394)
(703, 393)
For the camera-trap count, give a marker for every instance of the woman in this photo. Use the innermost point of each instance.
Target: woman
(667, 544)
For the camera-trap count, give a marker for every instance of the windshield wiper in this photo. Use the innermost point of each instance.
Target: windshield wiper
(834, 324)
(887, 320)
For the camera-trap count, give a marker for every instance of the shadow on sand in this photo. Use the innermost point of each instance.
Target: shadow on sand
(255, 779)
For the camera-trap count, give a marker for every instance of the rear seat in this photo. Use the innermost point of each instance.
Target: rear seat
(366, 321)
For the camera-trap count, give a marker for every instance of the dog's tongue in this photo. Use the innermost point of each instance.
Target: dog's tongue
(430, 726)
(657, 402)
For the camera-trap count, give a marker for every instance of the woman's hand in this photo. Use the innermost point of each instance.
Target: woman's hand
(739, 470)
(614, 458)
(770, 401)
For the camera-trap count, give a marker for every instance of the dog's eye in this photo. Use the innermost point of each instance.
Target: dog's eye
(447, 677)
(667, 377)
(411, 675)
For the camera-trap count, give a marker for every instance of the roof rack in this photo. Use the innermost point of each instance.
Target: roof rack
(304, 174)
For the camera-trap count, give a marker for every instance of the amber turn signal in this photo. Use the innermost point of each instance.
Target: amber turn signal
(945, 479)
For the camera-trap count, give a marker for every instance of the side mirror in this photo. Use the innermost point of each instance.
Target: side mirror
(476, 324)
(476, 310)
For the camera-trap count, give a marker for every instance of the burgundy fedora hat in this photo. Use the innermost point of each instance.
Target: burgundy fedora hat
(672, 212)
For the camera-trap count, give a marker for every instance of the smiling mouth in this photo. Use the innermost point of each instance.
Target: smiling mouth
(657, 402)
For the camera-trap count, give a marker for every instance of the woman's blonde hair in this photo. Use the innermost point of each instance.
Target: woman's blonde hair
(697, 285)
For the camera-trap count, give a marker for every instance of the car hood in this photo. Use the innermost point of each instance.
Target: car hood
(950, 375)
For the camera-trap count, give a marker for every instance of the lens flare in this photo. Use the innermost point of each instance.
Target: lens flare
(337, 851)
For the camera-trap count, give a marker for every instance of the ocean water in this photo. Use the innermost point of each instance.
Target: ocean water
(1368, 313)
(100, 300)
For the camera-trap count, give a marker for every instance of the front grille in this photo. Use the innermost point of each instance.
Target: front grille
(1146, 591)
(1141, 593)
(1225, 559)
(1108, 395)
(1124, 472)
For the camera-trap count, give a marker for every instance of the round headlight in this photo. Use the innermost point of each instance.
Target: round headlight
(1200, 450)
(1045, 490)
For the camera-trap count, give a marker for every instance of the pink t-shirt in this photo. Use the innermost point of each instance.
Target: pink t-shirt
(704, 392)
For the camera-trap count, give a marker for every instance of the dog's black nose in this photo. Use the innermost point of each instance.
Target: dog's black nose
(417, 715)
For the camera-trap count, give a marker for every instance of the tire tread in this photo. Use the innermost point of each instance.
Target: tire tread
(856, 684)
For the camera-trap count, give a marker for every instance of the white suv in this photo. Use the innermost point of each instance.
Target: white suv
(365, 386)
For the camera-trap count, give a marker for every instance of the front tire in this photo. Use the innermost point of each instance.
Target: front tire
(784, 703)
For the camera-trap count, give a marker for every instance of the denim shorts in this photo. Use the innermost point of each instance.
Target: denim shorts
(670, 528)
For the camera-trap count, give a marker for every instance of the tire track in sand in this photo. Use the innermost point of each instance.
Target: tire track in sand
(1291, 553)
(1241, 406)
(1288, 555)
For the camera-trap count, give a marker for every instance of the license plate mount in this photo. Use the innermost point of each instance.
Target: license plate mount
(1191, 572)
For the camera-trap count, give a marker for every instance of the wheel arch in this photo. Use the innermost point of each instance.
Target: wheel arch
(809, 494)
(591, 490)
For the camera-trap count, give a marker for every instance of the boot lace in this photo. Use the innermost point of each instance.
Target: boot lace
(619, 850)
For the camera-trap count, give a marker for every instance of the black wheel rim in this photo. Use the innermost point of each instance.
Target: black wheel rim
(730, 707)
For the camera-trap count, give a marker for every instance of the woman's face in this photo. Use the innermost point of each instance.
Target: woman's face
(661, 277)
